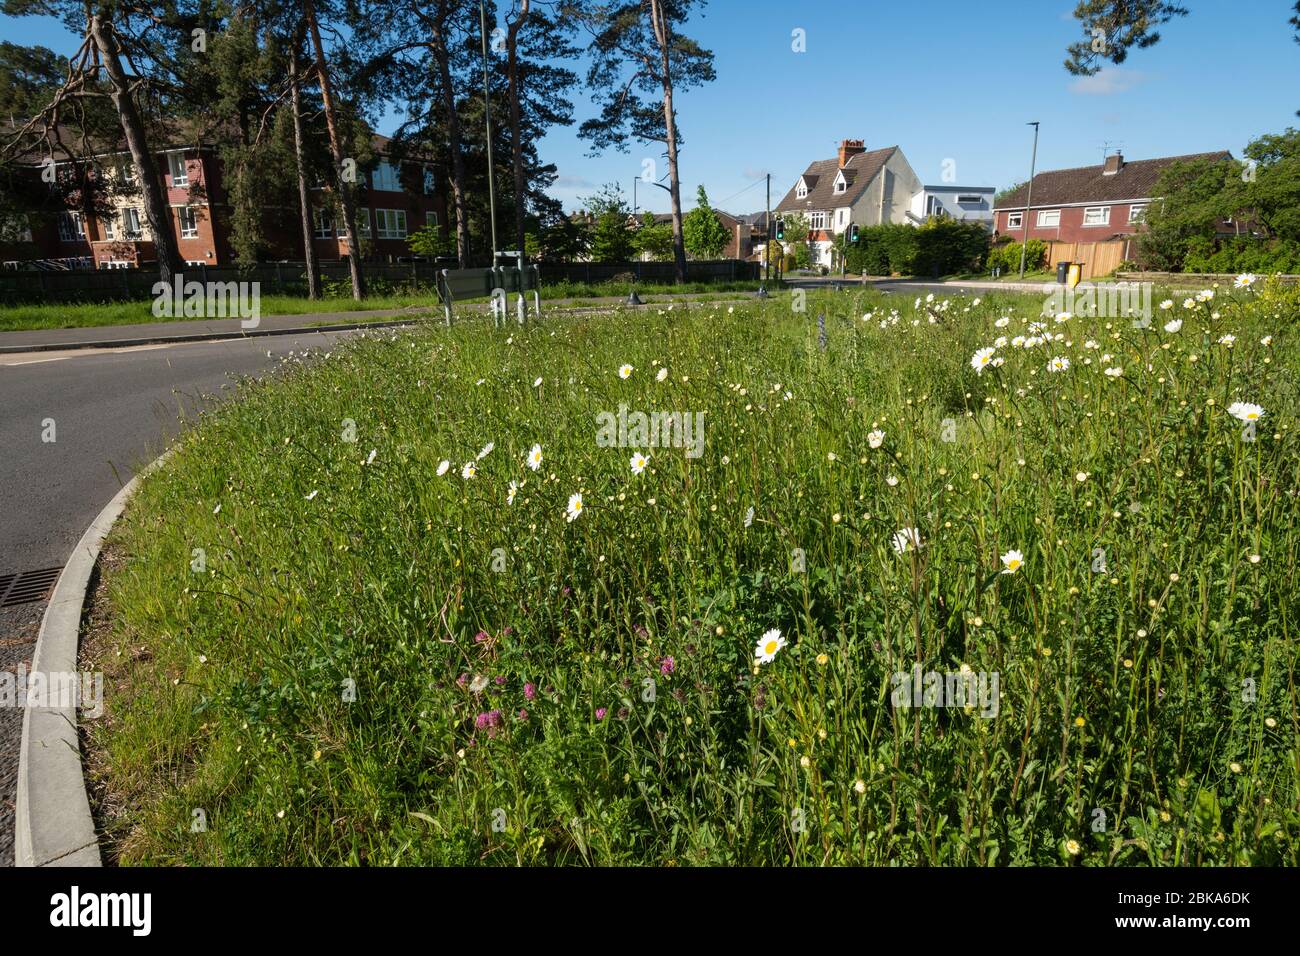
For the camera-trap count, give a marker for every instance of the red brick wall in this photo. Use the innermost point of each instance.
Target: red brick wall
(1071, 228)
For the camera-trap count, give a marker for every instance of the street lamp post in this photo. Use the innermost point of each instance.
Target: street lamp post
(1029, 200)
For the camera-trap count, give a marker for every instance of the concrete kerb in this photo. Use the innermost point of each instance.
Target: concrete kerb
(53, 824)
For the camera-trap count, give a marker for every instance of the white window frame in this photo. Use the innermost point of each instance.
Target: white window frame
(801, 190)
(816, 220)
(1043, 222)
(969, 200)
(387, 177)
(430, 182)
(1137, 212)
(195, 262)
(390, 223)
(1105, 215)
(176, 168)
(72, 226)
(126, 173)
(1016, 220)
(109, 224)
(136, 234)
(115, 264)
(191, 231)
(322, 223)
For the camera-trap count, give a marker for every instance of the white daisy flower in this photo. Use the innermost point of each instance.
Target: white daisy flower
(486, 450)
(469, 470)
(1227, 340)
(1115, 372)
(574, 507)
(661, 374)
(443, 466)
(1173, 325)
(1058, 364)
(1167, 304)
(981, 359)
(371, 457)
(1091, 344)
(1012, 561)
(1003, 322)
(906, 539)
(638, 463)
(875, 438)
(625, 371)
(1246, 280)
(314, 493)
(535, 457)
(1245, 411)
(510, 492)
(768, 645)
(891, 481)
(1266, 341)
(537, 381)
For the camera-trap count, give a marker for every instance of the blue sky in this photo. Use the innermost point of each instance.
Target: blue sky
(943, 79)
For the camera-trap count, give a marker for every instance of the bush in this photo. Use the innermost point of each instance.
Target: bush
(1242, 255)
(1007, 256)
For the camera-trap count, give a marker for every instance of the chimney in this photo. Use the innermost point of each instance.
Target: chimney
(850, 147)
(1114, 163)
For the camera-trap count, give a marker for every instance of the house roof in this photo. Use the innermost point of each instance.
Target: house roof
(729, 222)
(859, 171)
(1136, 179)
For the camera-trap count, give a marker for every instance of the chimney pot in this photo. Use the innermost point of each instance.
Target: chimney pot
(850, 147)
(1114, 163)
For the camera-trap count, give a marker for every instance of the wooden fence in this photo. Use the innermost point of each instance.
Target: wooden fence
(290, 278)
(1098, 258)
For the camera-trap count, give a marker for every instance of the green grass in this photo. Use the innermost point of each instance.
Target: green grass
(93, 314)
(1145, 657)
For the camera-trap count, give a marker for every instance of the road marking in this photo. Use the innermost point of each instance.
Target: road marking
(4, 360)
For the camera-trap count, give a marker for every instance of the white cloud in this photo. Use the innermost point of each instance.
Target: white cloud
(1109, 81)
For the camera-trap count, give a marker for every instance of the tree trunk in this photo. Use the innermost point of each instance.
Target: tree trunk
(336, 150)
(660, 24)
(156, 210)
(516, 137)
(438, 47)
(304, 202)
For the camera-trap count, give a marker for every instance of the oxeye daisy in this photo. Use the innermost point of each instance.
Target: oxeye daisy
(981, 358)
(1227, 340)
(574, 507)
(1245, 280)
(768, 645)
(906, 539)
(625, 371)
(1245, 411)
(486, 450)
(1012, 561)
(1173, 325)
(510, 493)
(443, 466)
(875, 438)
(638, 463)
(1003, 322)
(535, 457)
(661, 374)
(1058, 364)
(469, 470)
(1115, 372)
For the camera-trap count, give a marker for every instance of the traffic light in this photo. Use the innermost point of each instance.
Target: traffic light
(780, 228)
(853, 233)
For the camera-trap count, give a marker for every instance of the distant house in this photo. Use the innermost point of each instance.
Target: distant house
(741, 243)
(1089, 203)
(972, 203)
(861, 186)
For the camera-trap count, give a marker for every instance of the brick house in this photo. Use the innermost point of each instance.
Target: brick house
(398, 198)
(741, 242)
(1089, 203)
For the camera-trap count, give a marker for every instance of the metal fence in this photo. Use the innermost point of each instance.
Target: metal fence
(290, 278)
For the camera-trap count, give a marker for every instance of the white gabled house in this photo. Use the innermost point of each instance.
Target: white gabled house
(870, 187)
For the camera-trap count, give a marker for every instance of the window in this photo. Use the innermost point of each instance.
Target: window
(817, 220)
(189, 222)
(72, 227)
(115, 264)
(324, 224)
(176, 166)
(933, 207)
(391, 223)
(1137, 212)
(109, 226)
(840, 184)
(126, 172)
(1049, 218)
(1015, 220)
(195, 262)
(131, 223)
(970, 200)
(363, 222)
(428, 180)
(841, 217)
(801, 190)
(431, 220)
(1096, 216)
(387, 176)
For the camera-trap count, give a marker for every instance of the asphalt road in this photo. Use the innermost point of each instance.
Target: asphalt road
(112, 413)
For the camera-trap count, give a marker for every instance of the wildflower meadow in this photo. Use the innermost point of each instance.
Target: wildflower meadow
(874, 581)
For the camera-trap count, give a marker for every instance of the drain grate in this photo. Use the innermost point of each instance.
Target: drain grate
(25, 587)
